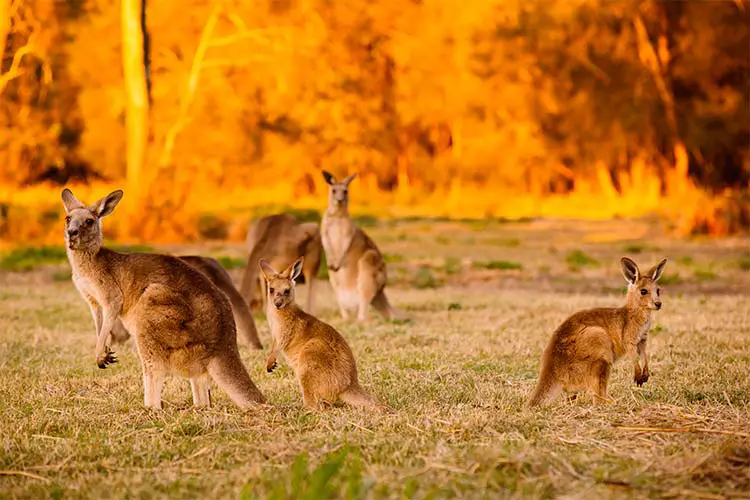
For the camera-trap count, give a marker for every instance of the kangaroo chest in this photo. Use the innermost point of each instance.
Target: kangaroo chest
(337, 235)
(88, 287)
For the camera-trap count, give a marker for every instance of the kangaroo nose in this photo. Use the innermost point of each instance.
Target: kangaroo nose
(658, 305)
(73, 232)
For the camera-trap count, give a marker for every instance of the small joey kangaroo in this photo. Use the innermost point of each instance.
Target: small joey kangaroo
(181, 322)
(320, 357)
(280, 239)
(243, 318)
(580, 353)
(355, 266)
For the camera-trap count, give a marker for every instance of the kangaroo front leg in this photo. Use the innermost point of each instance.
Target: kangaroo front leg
(641, 373)
(271, 363)
(104, 356)
(96, 313)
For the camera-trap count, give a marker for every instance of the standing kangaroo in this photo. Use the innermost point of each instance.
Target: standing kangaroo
(280, 239)
(243, 319)
(320, 357)
(580, 353)
(181, 322)
(355, 265)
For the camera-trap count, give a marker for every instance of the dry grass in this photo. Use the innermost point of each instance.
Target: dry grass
(456, 378)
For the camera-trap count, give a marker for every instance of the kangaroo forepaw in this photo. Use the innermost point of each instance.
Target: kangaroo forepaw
(107, 358)
(272, 366)
(641, 378)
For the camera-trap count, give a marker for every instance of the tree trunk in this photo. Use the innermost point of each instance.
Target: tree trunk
(137, 111)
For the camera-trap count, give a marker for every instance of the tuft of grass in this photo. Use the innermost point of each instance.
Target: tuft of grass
(28, 258)
(61, 276)
(425, 278)
(452, 266)
(704, 275)
(671, 279)
(365, 221)
(578, 259)
(504, 265)
(634, 248)
(230, 263)
(685, 260)
(338, 475)
(393, 258)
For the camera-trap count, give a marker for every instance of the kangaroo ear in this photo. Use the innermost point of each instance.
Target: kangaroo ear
(349, 179)
(266, 270)
(296, 269)
(629, 270)
(106, 205)
(656, 271)
(70, 202)
(330, 179)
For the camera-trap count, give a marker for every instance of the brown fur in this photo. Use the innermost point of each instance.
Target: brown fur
(581, 351)
(355, 265)
(181, 322)
(280, 239)
(320, 357)
(243, 319)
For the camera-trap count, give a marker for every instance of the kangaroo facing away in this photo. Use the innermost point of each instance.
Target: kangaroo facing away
(355, 266)
(580, 353)
(181, 322)
(280, 239)
(320, 357)
(243, 319)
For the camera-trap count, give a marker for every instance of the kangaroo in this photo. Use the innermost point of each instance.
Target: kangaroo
(581, 351)
(355, 266)
(320, 357)
(280, 239)
(181, 322)
(243, 319)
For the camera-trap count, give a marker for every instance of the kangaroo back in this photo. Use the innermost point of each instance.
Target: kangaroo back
(223, 281)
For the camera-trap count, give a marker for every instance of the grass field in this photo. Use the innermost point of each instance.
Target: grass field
(483, 298)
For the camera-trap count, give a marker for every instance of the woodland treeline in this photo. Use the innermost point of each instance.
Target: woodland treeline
(540, 97)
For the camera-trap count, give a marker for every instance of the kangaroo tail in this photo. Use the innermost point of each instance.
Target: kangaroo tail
(355, 396)
(230, 375)
(381, 304)
(546, 388)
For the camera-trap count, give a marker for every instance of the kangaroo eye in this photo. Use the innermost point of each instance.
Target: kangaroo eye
(270, 290)
(286, 292)
(67, 219)
(89, 222)
(644, 291)
(658, 292)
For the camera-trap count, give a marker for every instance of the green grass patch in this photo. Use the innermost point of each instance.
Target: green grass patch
(744, 263)
(365, 220)
(425, 278)
(61, 276)
(393, 258)
(503, 265)
(28, 258)
(704, 275)
(452, 266)
(671, 279)
(230, 263)
(578, 259)
(685, 260)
